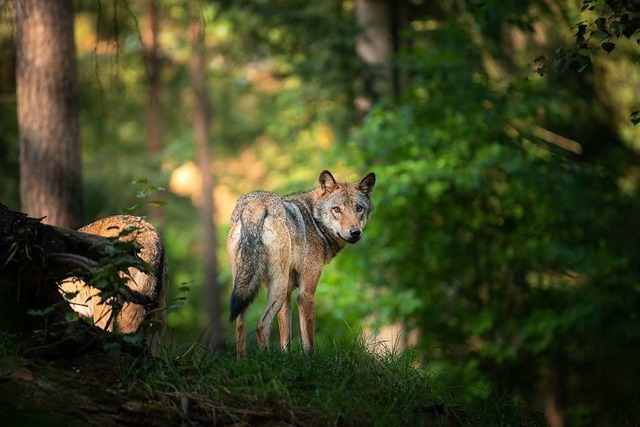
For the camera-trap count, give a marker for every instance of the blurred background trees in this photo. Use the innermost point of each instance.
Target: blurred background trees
(504, 241)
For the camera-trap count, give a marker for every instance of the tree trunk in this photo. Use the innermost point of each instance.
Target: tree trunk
(555, 396)
(152, 61)
(47, 97)
(201, 122)
(155, 124)
(374, 45)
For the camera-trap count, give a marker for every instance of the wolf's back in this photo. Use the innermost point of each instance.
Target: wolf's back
(251, 254)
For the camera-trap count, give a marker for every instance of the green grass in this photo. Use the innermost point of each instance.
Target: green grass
(340, 384)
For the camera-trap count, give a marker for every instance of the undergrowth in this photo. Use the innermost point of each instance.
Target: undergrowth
(339, 384)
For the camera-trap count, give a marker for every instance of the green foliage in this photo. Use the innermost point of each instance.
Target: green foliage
(112, 272)
(506, 239)
(611, 21)
(604, 25)
(143, 194)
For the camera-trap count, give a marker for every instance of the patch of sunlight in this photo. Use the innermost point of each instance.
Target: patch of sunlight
(554, 279)
(261, 76)
(628, 183)
(425, 25)
(391, 338)
(128, 130)
(617, 83)
(185, 180)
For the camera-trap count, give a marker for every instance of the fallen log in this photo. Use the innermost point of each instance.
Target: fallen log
(36, 258)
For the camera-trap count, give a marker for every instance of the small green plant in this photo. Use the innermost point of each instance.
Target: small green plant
(144, 191)
(9, 344)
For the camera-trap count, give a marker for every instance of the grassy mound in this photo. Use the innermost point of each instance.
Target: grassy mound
(340, 384)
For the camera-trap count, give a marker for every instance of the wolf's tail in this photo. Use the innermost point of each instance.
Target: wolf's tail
(250, 262)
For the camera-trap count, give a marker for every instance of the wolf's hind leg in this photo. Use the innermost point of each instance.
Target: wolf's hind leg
(276, 239)
(241, 339)
(276, 295)
(284, 322)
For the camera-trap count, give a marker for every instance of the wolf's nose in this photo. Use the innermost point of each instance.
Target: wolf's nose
(355, 232)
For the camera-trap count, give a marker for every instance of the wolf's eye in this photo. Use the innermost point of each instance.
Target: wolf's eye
(336, 209)
(359, 208)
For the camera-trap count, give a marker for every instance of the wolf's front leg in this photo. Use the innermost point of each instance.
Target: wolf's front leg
(306, 308)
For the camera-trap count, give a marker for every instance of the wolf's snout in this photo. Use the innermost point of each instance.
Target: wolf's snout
(355, 232)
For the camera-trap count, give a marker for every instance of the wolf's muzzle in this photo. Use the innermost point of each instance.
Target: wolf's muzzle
(354, 235)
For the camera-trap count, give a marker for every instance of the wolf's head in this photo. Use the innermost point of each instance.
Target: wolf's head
(344, 208)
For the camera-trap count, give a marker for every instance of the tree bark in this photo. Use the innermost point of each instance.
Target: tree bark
(201, 124)
(47, 97)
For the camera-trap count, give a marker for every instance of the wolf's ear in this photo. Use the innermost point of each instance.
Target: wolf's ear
(366, 184)
(326, 182)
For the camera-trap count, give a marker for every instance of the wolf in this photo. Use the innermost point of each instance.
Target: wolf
(284, 242)
(86, 300)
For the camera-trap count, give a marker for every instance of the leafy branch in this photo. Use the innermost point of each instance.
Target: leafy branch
(608, 21)
(144, 192)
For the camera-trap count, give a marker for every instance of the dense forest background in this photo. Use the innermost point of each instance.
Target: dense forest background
(504, 246)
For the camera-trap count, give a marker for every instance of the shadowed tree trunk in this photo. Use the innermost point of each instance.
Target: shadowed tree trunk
(152, 61)
(374, 45)
(155, 124)
(555, 396)
(201, 122)
(47, 97)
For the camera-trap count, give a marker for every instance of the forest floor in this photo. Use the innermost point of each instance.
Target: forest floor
(82, 390)
(346, 387)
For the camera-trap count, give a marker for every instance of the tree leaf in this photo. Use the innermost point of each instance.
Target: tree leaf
(599, 35)
(608, 46)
